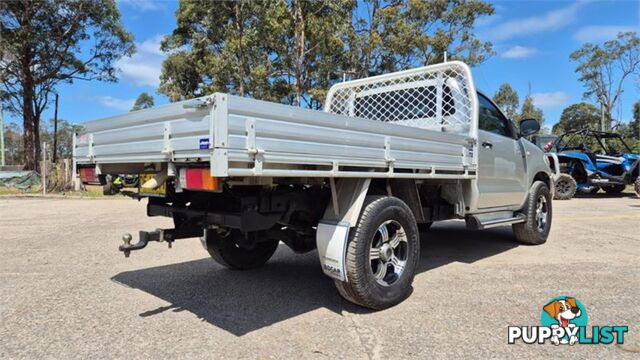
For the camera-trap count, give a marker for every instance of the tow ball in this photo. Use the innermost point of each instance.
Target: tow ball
(159, 235)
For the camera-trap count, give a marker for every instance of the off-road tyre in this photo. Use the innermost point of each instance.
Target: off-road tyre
(224, 249)
(530, 232)
(614, 189)
(362, 287)
(636, 186)
(566, 187)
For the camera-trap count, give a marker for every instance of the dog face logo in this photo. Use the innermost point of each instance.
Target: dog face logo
(567, 313)
(563, 310)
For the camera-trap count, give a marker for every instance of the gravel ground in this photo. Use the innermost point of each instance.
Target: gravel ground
(66, 292)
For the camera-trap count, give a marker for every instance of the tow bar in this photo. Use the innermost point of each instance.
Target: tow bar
(159, 235)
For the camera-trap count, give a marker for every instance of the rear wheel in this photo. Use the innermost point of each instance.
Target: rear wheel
(538, 211)
(565, 187)
(636, 186)
(382, 254)
(614, 189)
(229, 248)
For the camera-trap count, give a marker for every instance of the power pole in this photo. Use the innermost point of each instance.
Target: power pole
(43, 167)
(55, 132)
(2, 160)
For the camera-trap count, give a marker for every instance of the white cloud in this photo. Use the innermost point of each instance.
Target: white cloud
(487, 20)
(143, 5)
(599, 33)
(115, 103)
(144, 67)
(550, 99)
(551, 20)
(519, 52)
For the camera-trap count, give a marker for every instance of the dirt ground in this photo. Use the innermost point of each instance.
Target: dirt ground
(66, 292)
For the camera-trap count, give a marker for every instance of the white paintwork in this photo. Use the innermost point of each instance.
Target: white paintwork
(501, 175)
(331, 240)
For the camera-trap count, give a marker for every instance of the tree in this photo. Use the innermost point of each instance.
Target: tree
(14, 149)
(635, 123)
(144, 101)
(42, 44)
(577, 116)
(223, 46)
(395, 35)
(292, 51)
(64, 146)
(530, 111)
(180, 78)
(603, 69)
(508, 100)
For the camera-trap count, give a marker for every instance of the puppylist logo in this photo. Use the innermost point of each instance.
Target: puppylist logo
(564, 321)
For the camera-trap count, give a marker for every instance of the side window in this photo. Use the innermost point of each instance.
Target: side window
(490, 119)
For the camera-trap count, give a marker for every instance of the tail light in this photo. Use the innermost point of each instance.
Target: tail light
(88, 175)
(199, 179)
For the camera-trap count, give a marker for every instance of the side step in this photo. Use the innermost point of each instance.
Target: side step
(487, 221)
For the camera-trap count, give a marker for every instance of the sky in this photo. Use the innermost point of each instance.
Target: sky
(532, 40)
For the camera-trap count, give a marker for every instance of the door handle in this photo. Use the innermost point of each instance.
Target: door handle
(487, 144)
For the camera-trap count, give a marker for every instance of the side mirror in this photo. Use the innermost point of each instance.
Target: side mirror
(529, 127)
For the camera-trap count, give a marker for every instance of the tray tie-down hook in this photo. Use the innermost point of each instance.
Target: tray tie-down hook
(158, 235)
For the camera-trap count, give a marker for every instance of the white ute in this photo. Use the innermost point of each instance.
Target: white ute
(387, 157)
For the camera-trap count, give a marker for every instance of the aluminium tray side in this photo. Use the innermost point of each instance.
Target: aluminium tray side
(263, 137)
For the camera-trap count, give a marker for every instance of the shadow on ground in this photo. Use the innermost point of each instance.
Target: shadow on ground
(288, 285)
(603, 195)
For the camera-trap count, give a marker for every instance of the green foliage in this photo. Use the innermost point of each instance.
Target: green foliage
(530, 111)
(604, 68)
(635, 123)
(144, 101)
(508, 100)
(13, 136)
(45, 43)
(13, 144)
(292, 51)
(64, 135)
(578, 116)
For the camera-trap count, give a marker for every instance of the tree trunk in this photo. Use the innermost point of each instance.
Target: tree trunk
(29, 124)
(373, 30)
(31, 131)
(608, 120)
(240, 30)
(299, 41)
(55, 132)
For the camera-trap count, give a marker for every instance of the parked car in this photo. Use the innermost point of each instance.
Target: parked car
(390, 155)
(594, 160)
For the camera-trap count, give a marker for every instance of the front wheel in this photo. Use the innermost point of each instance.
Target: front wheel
(229, 248)
(636, 186)
(382, 254)
(538, 212)
(565, 187)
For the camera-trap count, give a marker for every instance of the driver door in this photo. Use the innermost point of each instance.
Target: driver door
(501, 172)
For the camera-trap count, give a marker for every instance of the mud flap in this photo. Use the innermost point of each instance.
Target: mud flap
(331, 239)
